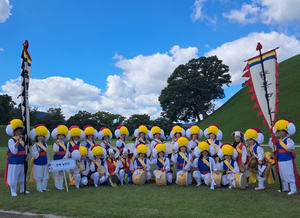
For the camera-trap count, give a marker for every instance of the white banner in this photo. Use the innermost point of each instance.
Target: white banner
(62, 164)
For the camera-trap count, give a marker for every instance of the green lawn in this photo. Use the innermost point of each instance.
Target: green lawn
(152, 201)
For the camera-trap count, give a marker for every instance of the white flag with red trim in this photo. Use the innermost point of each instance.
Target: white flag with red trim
(256, 80)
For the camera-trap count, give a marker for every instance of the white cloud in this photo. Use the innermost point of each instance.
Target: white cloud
(234, 53)
(248, 14)
(198, 12)
(135, 91)
(282, 12)
(1, 49)
(5, 8)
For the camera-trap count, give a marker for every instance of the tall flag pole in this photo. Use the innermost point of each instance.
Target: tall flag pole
(262, 73)
(25, 75)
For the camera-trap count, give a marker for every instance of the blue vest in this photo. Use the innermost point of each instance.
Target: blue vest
(96, 167)
(59, 156)
(41, 160)
(70, 145)
(202, 166)
(138, 162)
(225, 167)
(142, 141)
(88, 145)
(123, 145)
(14, 158)
(180, 161)
(283, 156)
(254, 148)
(217, 142)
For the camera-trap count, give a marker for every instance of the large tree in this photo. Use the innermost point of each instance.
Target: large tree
(81, 119)
(107, 119)
(135, 120)
(6, 106)
(52, 118)
(192, 87)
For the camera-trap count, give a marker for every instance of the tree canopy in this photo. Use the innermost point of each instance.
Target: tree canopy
(192, 87)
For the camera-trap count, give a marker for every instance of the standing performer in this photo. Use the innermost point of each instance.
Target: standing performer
(214, 135)
(141, 135)
(176, 133)
(90, 134)
(105, 135)
(112, 167)
(241, 148)
(141, 161)
(60, 134)
(229, 165)
(81, 173)
(121, 133)
(40, 153)
(16, 155)
(204, 163)
(75, 133)
(159, 157)
(182, 159)
(286, 158)
(97, 155)
(255, 138)
(195, 133)
(156, 134)
(126, 167)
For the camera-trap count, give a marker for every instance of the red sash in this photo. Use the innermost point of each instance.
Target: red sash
(42, 154)
(204, 172)
(60, 152)
(6, 169)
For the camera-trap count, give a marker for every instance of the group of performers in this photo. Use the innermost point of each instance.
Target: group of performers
(194, 160)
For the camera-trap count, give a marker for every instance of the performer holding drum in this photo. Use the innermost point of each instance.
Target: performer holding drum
(214, 135)
(40, 155)
(241, 148)
(141, 165)
(81, 173)
(286, 158)
(113, 169)
(105, 135)
(159, 157)
(182, 160)
(126, 167)
(195, 133)
(90, 134)
(156, 134)
(229, 166)
(254, 137)
(98, 167)
(60, 134)
(15, 157)
(121, 133)
(204, 164)
(75, 133)
(141, 135)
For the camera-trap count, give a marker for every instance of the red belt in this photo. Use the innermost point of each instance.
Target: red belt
(283, 151)
(42, 154)
(204, 172)
(182, 164)
(60, 152)
(20, 153)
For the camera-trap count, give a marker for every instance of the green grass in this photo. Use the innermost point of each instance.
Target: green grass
(238, 114)
(150, 200)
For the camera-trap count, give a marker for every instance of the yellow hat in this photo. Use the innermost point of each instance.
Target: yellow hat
(83, 150)
(155, 130)
(141, 148)
(123, 130)
(41, 130)
(75, 131)
(160, 147)
(176, 129)
(89, 130)
(62, 130)
(97, 150)
(195, 130)
(213, 129)
(281, 125)
(143, 128)
(203, 146)
(227, 149)
(251, 134)
(16, 123)
(182, 141)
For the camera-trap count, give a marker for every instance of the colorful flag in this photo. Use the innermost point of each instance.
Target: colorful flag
(264, 84)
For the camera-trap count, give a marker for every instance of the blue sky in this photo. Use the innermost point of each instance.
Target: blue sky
(117, 55)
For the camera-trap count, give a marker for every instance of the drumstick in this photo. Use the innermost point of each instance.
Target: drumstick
(211, 175)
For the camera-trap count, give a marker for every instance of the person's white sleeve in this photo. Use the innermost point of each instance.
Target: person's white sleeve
(34, 152)
(92, 167)
(103, 145)
(290, 144)
(117, 168)
(174, 158)
(11, 146)
(219, 166)
(195, 163)
(48, 155)
(244, 154)
(106, 168)
(188, 165)
(67, 151)
(148, 166)
(119, 143)
(134, 165)
(55, 147)
(167, 165)
(87, 169)
(136, 142)
(154, 161)
(260, 153)
(120, 164)
(153, 143)
(236, 168)
(84, 143)
(270, 143)
(213, 164)
(130, 166)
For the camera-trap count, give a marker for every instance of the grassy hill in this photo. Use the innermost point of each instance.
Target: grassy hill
(238, 114)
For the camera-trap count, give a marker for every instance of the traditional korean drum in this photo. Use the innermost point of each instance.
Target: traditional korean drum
(218, 179)
(161, 178)
(182, 178)
(240, 181)
(139, 177)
